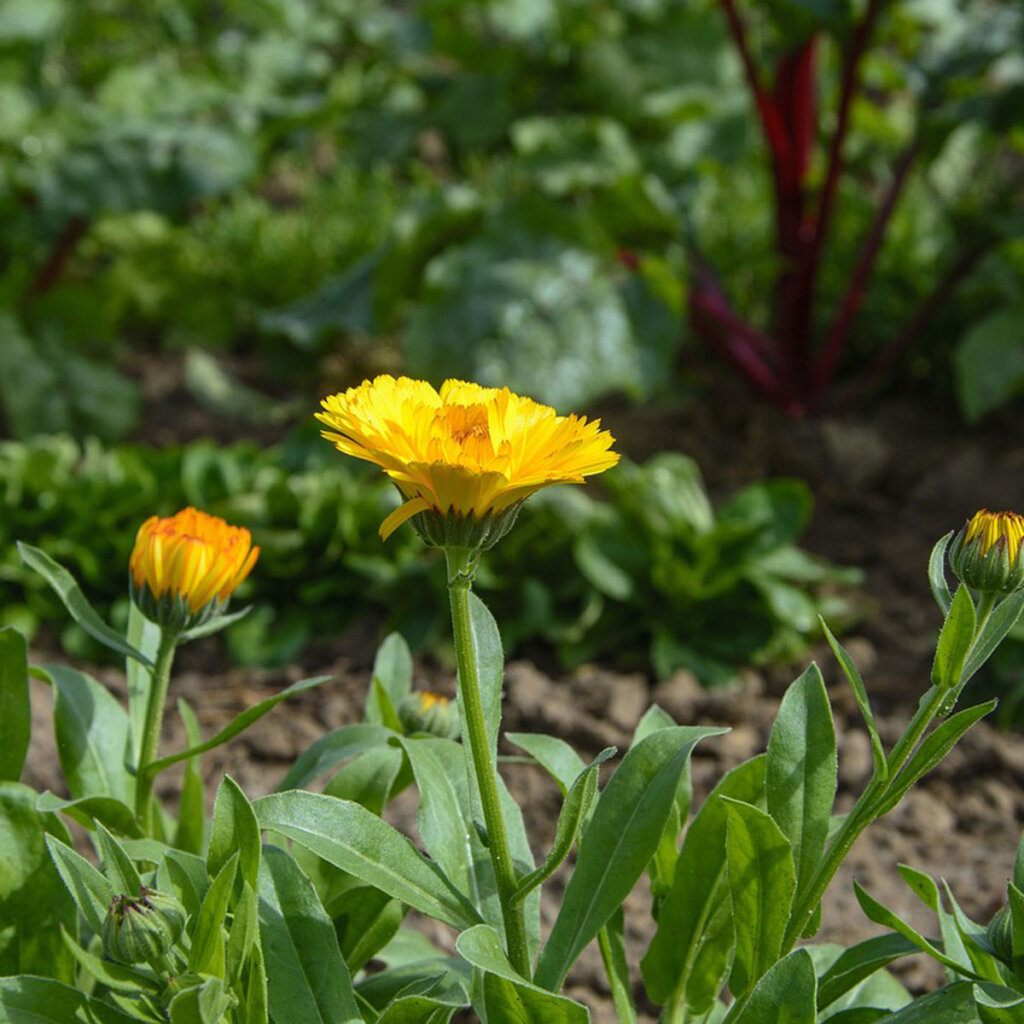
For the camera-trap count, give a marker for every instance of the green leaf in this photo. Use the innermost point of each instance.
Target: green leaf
(860, 694)
(785, 994)
(365, 921)
(235, 829)
(205, 1003)
(185, 875)
(76, 603)
(15, 709)
(620, 840)
(116, 864)
(508, 997)
(937, 744)
(448, 834)
(800, 782)
(392, 669)
(616, 967)
(937, 574)
(90, 810)
(243, 935)
(1003, 618)
(214, 625)
(34, 902)
(90, 890)
(954, 641)
(860, 962)
(330, 750)
(560, 761)
(208, 954)
(308, 982)
(989, 361)
(953, 1004)
(695, 933)
(762, 882)
(351, 838)
(885, 917)
(188, 835)
(28, 1000)
(89, 724)
(371, 779)
(239, 724)
(115, 976)
(575, 809)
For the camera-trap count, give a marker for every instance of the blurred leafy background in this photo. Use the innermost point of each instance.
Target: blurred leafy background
(284, 196)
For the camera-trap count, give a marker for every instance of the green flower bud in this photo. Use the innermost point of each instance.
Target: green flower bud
(1000, 934)
(141, 929)
(987, 555)
(431, 713)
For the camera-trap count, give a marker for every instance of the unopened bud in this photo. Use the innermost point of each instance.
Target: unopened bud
(141, 929)
(987, 555)
(431, 713)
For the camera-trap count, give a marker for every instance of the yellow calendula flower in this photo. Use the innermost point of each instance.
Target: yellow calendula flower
(465, 455)
(184, 568)
(429, 712)
(988, 553)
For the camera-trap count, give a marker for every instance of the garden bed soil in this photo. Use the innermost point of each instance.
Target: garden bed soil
(887, 483)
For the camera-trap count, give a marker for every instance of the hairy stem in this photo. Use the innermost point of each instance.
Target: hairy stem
(160, 677)
(460, 566)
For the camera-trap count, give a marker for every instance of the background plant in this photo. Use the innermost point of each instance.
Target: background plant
(645, 577)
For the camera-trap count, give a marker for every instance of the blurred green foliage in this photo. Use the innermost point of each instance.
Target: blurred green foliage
(502, 190)
(652, 578)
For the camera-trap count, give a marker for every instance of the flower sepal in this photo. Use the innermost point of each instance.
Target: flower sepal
(452, 529)
(171, 612)
(143, 928)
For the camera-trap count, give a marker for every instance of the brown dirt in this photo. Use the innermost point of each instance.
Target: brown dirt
(888, 482)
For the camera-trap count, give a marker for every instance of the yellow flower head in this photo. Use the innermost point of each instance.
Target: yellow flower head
(466, 450)
(429, 712)
(188, 564)
(988, 553)
(989, 528)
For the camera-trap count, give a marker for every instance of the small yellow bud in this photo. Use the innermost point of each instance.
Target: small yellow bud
(183, 569)
(987, 555)
(429, 712)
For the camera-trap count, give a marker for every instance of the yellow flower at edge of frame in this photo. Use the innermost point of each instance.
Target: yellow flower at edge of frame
(464, 449)
(992, 527)
(192, 556)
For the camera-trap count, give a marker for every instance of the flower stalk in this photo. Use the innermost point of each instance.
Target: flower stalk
(460, 575)
(160, 678)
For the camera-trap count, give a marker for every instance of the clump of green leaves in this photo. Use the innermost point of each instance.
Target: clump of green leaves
(651, 575)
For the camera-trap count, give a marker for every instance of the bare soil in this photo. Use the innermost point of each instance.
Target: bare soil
(888, 481)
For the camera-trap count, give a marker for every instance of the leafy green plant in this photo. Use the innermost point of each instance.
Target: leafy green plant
(649, 574)
(190, 920)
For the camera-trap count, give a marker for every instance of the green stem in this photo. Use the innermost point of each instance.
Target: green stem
(461, 563)
(621, 995)
(160, 677)
(862, 814)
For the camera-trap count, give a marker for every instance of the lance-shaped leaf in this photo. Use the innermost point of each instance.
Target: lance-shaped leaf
(92, 731)
(188, 835)
(353, 839)
(308, 982)
(508, 997)
(859, 962)
(235, 829)
(1003, 618)
(930, 753)
(239, 724)
(575, 808)
(90, 810)
(29, 1000)
(76, 603)
(208, 954)
(143, 636)
(784, 995)
(800, 783)
(391, 679)
(557, 758)
(620, 840)
(90, 890)
(15, 709)
(695, 935)
(860, 694)
(331, 750)
(937, 573)
(762, 880)
(954, 641)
